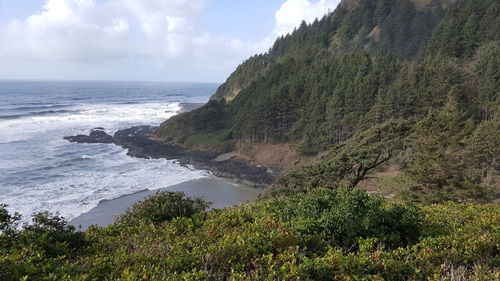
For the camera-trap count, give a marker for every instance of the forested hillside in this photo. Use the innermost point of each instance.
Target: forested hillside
(433, 64)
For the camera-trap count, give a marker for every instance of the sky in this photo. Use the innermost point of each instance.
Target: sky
(142, 40)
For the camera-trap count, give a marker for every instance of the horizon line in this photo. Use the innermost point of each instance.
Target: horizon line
(101, 80)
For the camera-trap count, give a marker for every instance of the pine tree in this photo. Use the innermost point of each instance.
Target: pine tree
(437, 151)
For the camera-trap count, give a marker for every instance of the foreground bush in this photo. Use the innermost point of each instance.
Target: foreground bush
(323, 235)
(163, 207)
(40, 249)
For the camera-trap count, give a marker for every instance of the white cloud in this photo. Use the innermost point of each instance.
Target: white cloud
(220, 52)
(88, 31)
(293, 12)
(167, 33)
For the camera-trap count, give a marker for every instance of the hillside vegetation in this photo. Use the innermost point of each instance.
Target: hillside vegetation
(431, 64)
(321, 235)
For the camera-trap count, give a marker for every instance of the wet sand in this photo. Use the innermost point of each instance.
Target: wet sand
(221, 192)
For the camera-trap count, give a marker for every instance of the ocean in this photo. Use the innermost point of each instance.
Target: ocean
(39, 171)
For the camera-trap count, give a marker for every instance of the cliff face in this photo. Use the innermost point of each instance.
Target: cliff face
(247, 72)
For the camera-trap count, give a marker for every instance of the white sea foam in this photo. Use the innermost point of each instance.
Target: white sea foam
(80, 191)
(84, 117)
(42, 172)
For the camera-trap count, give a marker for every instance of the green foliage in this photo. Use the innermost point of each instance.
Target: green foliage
(206, 128)
(436, 157)
(315, 105)
(467, 26)
(8, 222)
(487, 66)
(163, 207)
(8, 226)
(484, 150)
(51, 236)
(343, 217)
(244, 75)
(41, 250)
(310, 88)
(209, 117)
(450, 160)
(323, 235)
(350, 162)
(216, 141)
(395, 27)
(340, 75)
(369, 62)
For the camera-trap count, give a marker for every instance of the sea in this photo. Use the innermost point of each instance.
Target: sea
(40, 171)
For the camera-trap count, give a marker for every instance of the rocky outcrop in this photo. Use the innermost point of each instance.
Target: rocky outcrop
(96, 135)
(139, 143)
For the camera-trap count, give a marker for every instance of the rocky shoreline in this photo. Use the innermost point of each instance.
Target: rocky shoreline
(140, 143)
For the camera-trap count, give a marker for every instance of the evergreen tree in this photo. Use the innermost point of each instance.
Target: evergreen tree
(437, 155)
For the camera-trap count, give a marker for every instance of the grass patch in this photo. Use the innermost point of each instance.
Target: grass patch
(218, 141)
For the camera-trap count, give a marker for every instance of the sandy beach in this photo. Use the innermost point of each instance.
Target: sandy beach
(221, 192)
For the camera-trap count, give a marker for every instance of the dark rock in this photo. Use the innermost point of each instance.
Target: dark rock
(95, 136)
(139, 143)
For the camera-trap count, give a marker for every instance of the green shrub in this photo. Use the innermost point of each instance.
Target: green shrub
(344, 216)
(51, 236)
(8, 222)
(323, 235)
(39, 250)
(8, 225)
(163, 207)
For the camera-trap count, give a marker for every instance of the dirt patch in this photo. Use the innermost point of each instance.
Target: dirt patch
(227, 156)
(283, 156)
(392, 171)
(384, 183)
(375, 33)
